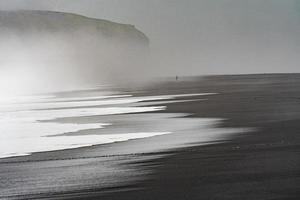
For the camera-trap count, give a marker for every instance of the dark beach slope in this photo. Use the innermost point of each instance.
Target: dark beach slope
(264, 164)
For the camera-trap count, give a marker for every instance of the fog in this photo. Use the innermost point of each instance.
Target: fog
(192, 37)
(34, 61)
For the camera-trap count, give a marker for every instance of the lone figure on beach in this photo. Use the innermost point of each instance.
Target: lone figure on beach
(176, 78)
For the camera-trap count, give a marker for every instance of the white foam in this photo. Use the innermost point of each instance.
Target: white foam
(27, 123)
(28, 145)
(57, 105)
(24, 130)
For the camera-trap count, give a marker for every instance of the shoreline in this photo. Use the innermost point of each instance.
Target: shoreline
(61, 171)
(263, 164)
(255, 165)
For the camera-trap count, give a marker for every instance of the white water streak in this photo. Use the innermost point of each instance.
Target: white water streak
(23, 129)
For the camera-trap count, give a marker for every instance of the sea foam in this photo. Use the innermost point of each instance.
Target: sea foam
(26, 126)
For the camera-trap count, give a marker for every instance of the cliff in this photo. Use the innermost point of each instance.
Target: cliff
(30, 21)
(55, 49)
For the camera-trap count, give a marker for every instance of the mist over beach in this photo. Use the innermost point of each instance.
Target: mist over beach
(160, 99)
(45, 51)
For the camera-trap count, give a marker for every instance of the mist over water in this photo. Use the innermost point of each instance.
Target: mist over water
(42, 56)
(186, 38)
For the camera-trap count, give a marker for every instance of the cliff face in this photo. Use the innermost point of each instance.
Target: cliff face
(66, 50)
(28, 22)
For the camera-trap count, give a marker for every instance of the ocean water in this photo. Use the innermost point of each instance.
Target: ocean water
(30, 124)
(128, 127)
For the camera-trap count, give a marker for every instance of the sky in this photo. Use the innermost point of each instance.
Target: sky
(197, 37)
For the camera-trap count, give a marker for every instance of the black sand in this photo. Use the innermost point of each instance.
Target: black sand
(264, 164)
(260, 165)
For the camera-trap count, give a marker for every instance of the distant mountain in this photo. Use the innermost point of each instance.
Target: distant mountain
(29, 21)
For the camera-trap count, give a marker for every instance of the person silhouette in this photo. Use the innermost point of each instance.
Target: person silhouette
(176, 78)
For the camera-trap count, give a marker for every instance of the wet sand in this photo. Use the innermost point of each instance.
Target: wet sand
(261, 164)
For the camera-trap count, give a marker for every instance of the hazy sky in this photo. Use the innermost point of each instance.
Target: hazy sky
(191, 37)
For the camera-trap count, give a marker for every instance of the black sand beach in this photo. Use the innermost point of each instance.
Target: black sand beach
(261, 164)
